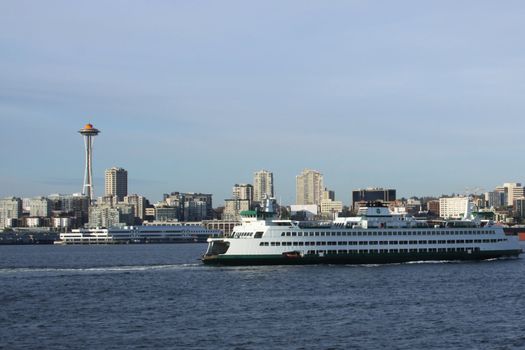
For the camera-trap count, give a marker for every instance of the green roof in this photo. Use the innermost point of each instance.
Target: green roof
(248, 213)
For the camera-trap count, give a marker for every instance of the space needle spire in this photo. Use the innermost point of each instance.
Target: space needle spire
(88, 132)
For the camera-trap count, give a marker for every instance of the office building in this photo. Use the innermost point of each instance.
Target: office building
(453, 207)
(309, 187)
(10, 211)
(139, 203)
(243, 191)
(116, 183)
(262, 185)
(40, 207)
(372, 195)
(233, 208)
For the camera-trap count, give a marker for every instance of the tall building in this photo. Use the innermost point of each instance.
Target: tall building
(40, 206)
(104, 215)
(116, 183)
(372, 195)
(191, 206)
(496, 199)
(309, 187)
(233, 208)
(262, 185)
(89, 132)
(10, 209)
(453, 208)
(139, 204)
(243, 191)
(512, 191)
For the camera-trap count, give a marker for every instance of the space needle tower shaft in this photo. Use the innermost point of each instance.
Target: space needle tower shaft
(89, 132)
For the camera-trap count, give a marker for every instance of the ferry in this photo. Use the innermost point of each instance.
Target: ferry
(374, 236)
(139, 234)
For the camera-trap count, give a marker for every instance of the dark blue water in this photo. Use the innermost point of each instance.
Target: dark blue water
(161, 297)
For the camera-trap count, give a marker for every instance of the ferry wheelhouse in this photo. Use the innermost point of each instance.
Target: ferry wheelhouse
(374, 236)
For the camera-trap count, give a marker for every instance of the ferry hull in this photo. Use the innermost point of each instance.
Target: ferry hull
(371, 258)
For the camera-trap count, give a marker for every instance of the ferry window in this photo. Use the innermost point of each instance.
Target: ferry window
(294, 234)
(282, 233)
(299, 233)
(322, 233)
(301, 243)
(288, 234)
(261, 244)
(339, 233)
(277, 243)
(373, 242)
(317, 233)
(451, 241)
(295, 243)
(258, 234)
(393, 242)
(272, 244)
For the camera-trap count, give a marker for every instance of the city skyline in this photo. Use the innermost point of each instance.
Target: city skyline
(397, 95)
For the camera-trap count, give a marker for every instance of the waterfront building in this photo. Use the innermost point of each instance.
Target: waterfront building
(192, 206)
(104, 215)
(372, 194)
(88, 132)
(309, 187)
(10, 211)
(243, 191)
(262, 185)
(233, 208)
(40, 207)
(75, 206)
(166, 213)
(453, 207)
(496, 199)
(116, 182)
(139, 203)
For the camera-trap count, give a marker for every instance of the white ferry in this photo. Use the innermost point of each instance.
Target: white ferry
(375, 236)
(139, 234)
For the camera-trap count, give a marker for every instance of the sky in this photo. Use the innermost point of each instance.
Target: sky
(426, 97)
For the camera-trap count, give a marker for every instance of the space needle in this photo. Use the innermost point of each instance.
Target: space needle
(88, 132)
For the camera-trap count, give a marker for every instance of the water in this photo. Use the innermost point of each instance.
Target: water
(162, 297)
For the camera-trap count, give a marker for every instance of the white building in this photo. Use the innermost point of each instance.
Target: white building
(453, 208)
(262, 185)
(39, 207)
(309, 187)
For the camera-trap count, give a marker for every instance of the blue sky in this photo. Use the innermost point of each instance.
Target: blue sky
(426, 97)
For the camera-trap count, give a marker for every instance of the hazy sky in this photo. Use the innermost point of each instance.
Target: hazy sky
(424, 96)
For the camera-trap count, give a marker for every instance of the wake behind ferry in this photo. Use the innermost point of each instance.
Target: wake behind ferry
(374, 236)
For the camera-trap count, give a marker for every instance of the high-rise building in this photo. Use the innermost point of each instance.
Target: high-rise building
(371, 195)
(512, 191)
(309, 187)
(243, 191)
(191, 206)
(116, 183)
(40, 206)
(233, 208)
(139, 203)
(89, 132)
(10, 209)
(262, 185)
(453, 207)
(104, 215)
